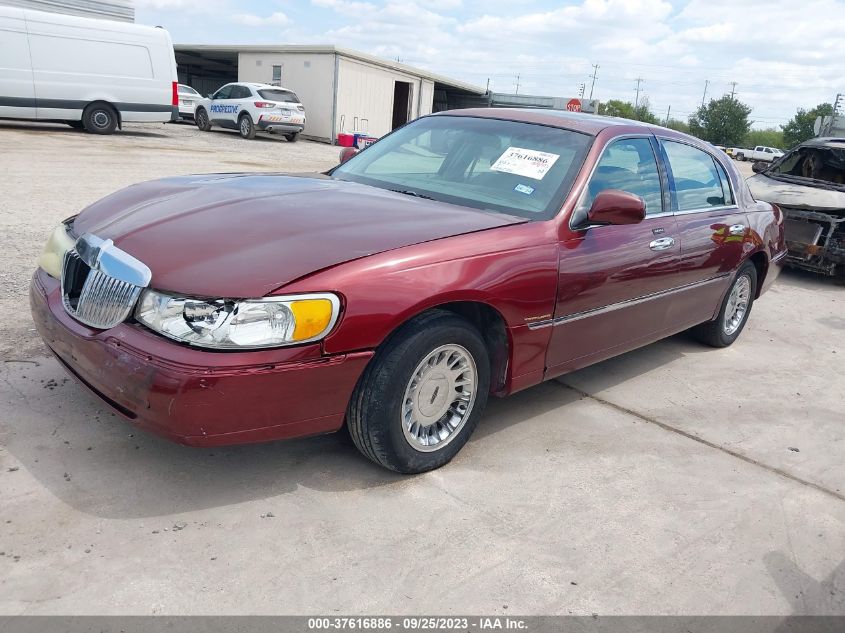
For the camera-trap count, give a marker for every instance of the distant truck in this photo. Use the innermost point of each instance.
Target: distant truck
(84, 72)
(761, 152)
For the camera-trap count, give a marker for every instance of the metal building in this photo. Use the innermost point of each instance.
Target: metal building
(342, 90)
(120, 10)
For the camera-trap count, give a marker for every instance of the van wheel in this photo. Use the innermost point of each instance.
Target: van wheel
(292, 137)
(246, 127)
(733, 315)
(422, 394)
(99, 118)
(76, 125)
(201, 119)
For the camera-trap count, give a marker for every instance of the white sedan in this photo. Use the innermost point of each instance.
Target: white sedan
(188, 98)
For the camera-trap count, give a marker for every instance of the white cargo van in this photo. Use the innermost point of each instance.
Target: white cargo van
(88, 73)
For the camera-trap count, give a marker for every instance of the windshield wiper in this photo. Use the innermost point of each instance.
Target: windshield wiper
(415, 194)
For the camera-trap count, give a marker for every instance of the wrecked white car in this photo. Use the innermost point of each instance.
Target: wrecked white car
(808, 184)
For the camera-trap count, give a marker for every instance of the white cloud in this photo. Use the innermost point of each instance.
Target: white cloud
(178, 5)
(249, 19)
(346, 7)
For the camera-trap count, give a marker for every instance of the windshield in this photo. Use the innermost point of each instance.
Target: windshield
(818, 163)
(516, 168)
(285, 96)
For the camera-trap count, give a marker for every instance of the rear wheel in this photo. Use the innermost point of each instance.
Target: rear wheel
(740, 156)
(422, 395)
(201, 119)
(99, 118)
(292, 137)
(733, 315)
(246, 127)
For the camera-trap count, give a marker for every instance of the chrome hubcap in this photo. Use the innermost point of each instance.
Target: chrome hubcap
(244, 126)
(737, 305)
(439, 398)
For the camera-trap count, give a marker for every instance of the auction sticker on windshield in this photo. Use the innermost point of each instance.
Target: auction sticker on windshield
(525, 162)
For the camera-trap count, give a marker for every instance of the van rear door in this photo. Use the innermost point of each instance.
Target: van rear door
(17, 90)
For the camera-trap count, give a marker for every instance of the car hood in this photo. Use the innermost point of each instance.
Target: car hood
(244, 235)
(795, 196)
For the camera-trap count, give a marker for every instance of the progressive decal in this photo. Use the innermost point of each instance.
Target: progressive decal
(225, 109)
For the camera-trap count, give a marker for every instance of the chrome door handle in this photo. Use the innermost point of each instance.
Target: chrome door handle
(662, 244)
(737, 229)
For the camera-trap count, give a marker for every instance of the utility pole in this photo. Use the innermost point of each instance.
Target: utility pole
(733, 89)
(704, 96)
(668, 110)
(637, 101)
(488, 84)
(593, 85)
(517, 85)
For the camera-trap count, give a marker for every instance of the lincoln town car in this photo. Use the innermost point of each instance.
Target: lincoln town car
(468, 254)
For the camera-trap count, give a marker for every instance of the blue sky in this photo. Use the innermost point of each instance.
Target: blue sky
(781, 54)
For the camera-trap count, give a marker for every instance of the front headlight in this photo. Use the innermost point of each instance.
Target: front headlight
(59, 243)
(239, 324)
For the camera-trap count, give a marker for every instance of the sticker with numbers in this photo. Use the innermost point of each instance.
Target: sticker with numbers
(525, 162)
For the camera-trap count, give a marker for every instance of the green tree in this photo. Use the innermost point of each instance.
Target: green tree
(626, 110)
(680, 126)
(800, 127)
(770, 137)
(721, 122)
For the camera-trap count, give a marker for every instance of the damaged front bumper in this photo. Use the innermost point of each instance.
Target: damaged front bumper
(816, 240)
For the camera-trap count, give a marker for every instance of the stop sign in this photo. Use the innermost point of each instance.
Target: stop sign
(574, 105)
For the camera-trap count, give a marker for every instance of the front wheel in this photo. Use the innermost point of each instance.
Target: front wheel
(733, 315)
(422, 394)
(202, 121)
(246, 127)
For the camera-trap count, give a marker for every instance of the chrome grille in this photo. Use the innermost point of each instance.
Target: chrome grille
(90, 293)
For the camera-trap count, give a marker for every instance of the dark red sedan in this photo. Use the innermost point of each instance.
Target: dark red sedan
(469, 253)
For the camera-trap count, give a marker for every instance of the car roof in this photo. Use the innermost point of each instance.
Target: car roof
(831, 142)
(577, 121)
(259, 86)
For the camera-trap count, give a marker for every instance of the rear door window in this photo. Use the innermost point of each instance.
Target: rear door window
(696, 180)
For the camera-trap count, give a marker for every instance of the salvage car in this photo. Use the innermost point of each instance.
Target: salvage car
(467, 254)
(251, 107)
(808, 184)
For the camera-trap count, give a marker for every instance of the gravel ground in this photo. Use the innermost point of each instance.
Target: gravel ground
(56, 171)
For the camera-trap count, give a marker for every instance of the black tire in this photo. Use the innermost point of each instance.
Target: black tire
(246, 127)
(715, 333)
(202, 121)
(740, 156)
(99, 118)
(374, 417)
(292, 137)
(76, 125)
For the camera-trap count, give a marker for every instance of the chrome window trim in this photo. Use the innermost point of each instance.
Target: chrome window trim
(612, 307)
(724, 207)
(593, 171)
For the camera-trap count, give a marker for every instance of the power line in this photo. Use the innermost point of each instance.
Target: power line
(593, 84)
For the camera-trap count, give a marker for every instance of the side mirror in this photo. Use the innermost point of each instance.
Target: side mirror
(210, 96)
(613, 206)
(758, 166)
(346, 153)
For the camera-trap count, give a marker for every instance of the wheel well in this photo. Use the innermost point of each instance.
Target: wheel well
(491, 325)
(110, 107)
(761, 263)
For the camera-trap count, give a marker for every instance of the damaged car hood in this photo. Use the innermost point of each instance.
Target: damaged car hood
(244, 235)
(796, 196)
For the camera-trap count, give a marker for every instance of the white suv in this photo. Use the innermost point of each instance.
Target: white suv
(248, 108)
